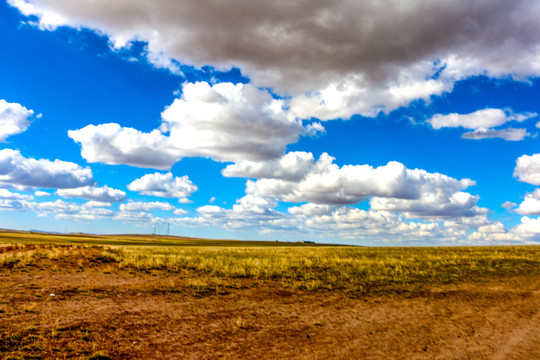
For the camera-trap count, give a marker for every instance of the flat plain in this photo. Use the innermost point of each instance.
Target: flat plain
(95, 297)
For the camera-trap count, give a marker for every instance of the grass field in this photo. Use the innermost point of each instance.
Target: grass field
(134, 296)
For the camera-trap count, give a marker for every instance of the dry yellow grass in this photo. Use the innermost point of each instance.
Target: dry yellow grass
(340, 268)
(353, 269)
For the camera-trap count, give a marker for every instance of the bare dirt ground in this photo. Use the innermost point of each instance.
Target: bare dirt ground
(101, 312)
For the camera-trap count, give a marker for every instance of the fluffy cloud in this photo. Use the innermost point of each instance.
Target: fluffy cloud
(393, 187)
(113, 144)
(140, 217)
(508, 205)
(467, 222)
(140, 213)
(528, 169)
(396, 193)
(482, 122)
(527, 232)
(506, 134)
(249, 212)
(229, 122)
(529, 228)
(292, 166)
(356, 94)
(225, 122)
(96, 204)
(481, 119)
(146, 206)
(256, 205)
(164, 185)
(86, 214)
(311, 209)
(14, 119)
(353, 223)
(531, 204)
(12, 205)
(341, 58)
(496, 233)
(436, 203)
(15, 169)
(42, 193)
(68, 210)
(346, 222)
(322, 221)
(246, 209)
(180, 212)
(8, 195)
(103, 194)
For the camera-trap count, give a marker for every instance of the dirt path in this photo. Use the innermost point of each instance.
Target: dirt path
(160, 315)
(523, 342)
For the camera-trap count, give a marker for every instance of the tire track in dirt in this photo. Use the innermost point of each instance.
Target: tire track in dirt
(523, 338)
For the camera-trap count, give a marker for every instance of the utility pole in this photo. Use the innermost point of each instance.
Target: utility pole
(168, 228)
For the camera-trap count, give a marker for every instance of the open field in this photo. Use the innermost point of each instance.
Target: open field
(25, 237)
(146, 297)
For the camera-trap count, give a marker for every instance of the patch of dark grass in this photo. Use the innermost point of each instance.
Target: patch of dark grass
(99, 357)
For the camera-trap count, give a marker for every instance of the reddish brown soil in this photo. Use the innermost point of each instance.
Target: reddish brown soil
(118, 314)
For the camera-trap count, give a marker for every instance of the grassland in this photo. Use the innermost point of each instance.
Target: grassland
(131, 296)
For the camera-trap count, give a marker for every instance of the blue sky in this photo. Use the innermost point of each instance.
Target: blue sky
(412, 123)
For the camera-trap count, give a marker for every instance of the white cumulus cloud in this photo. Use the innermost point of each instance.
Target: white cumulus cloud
(140, 217)
(224, 122)
(396, 194)
(67, 210)
(103, 194)
(530, 205)
(96, 204)
(14, 119)
(113, 144)
(292, 166)
(528, 169)
(480, 119)
(311, 209)
(230, 122)
(8, 195)
(164, 185)
(482, 122)
(316, 220)
(42, 193)
(510, 134)
(527, 231)
(146, 206)
(15, 169)
(324, 182)
(436, 203)
(343, 57)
